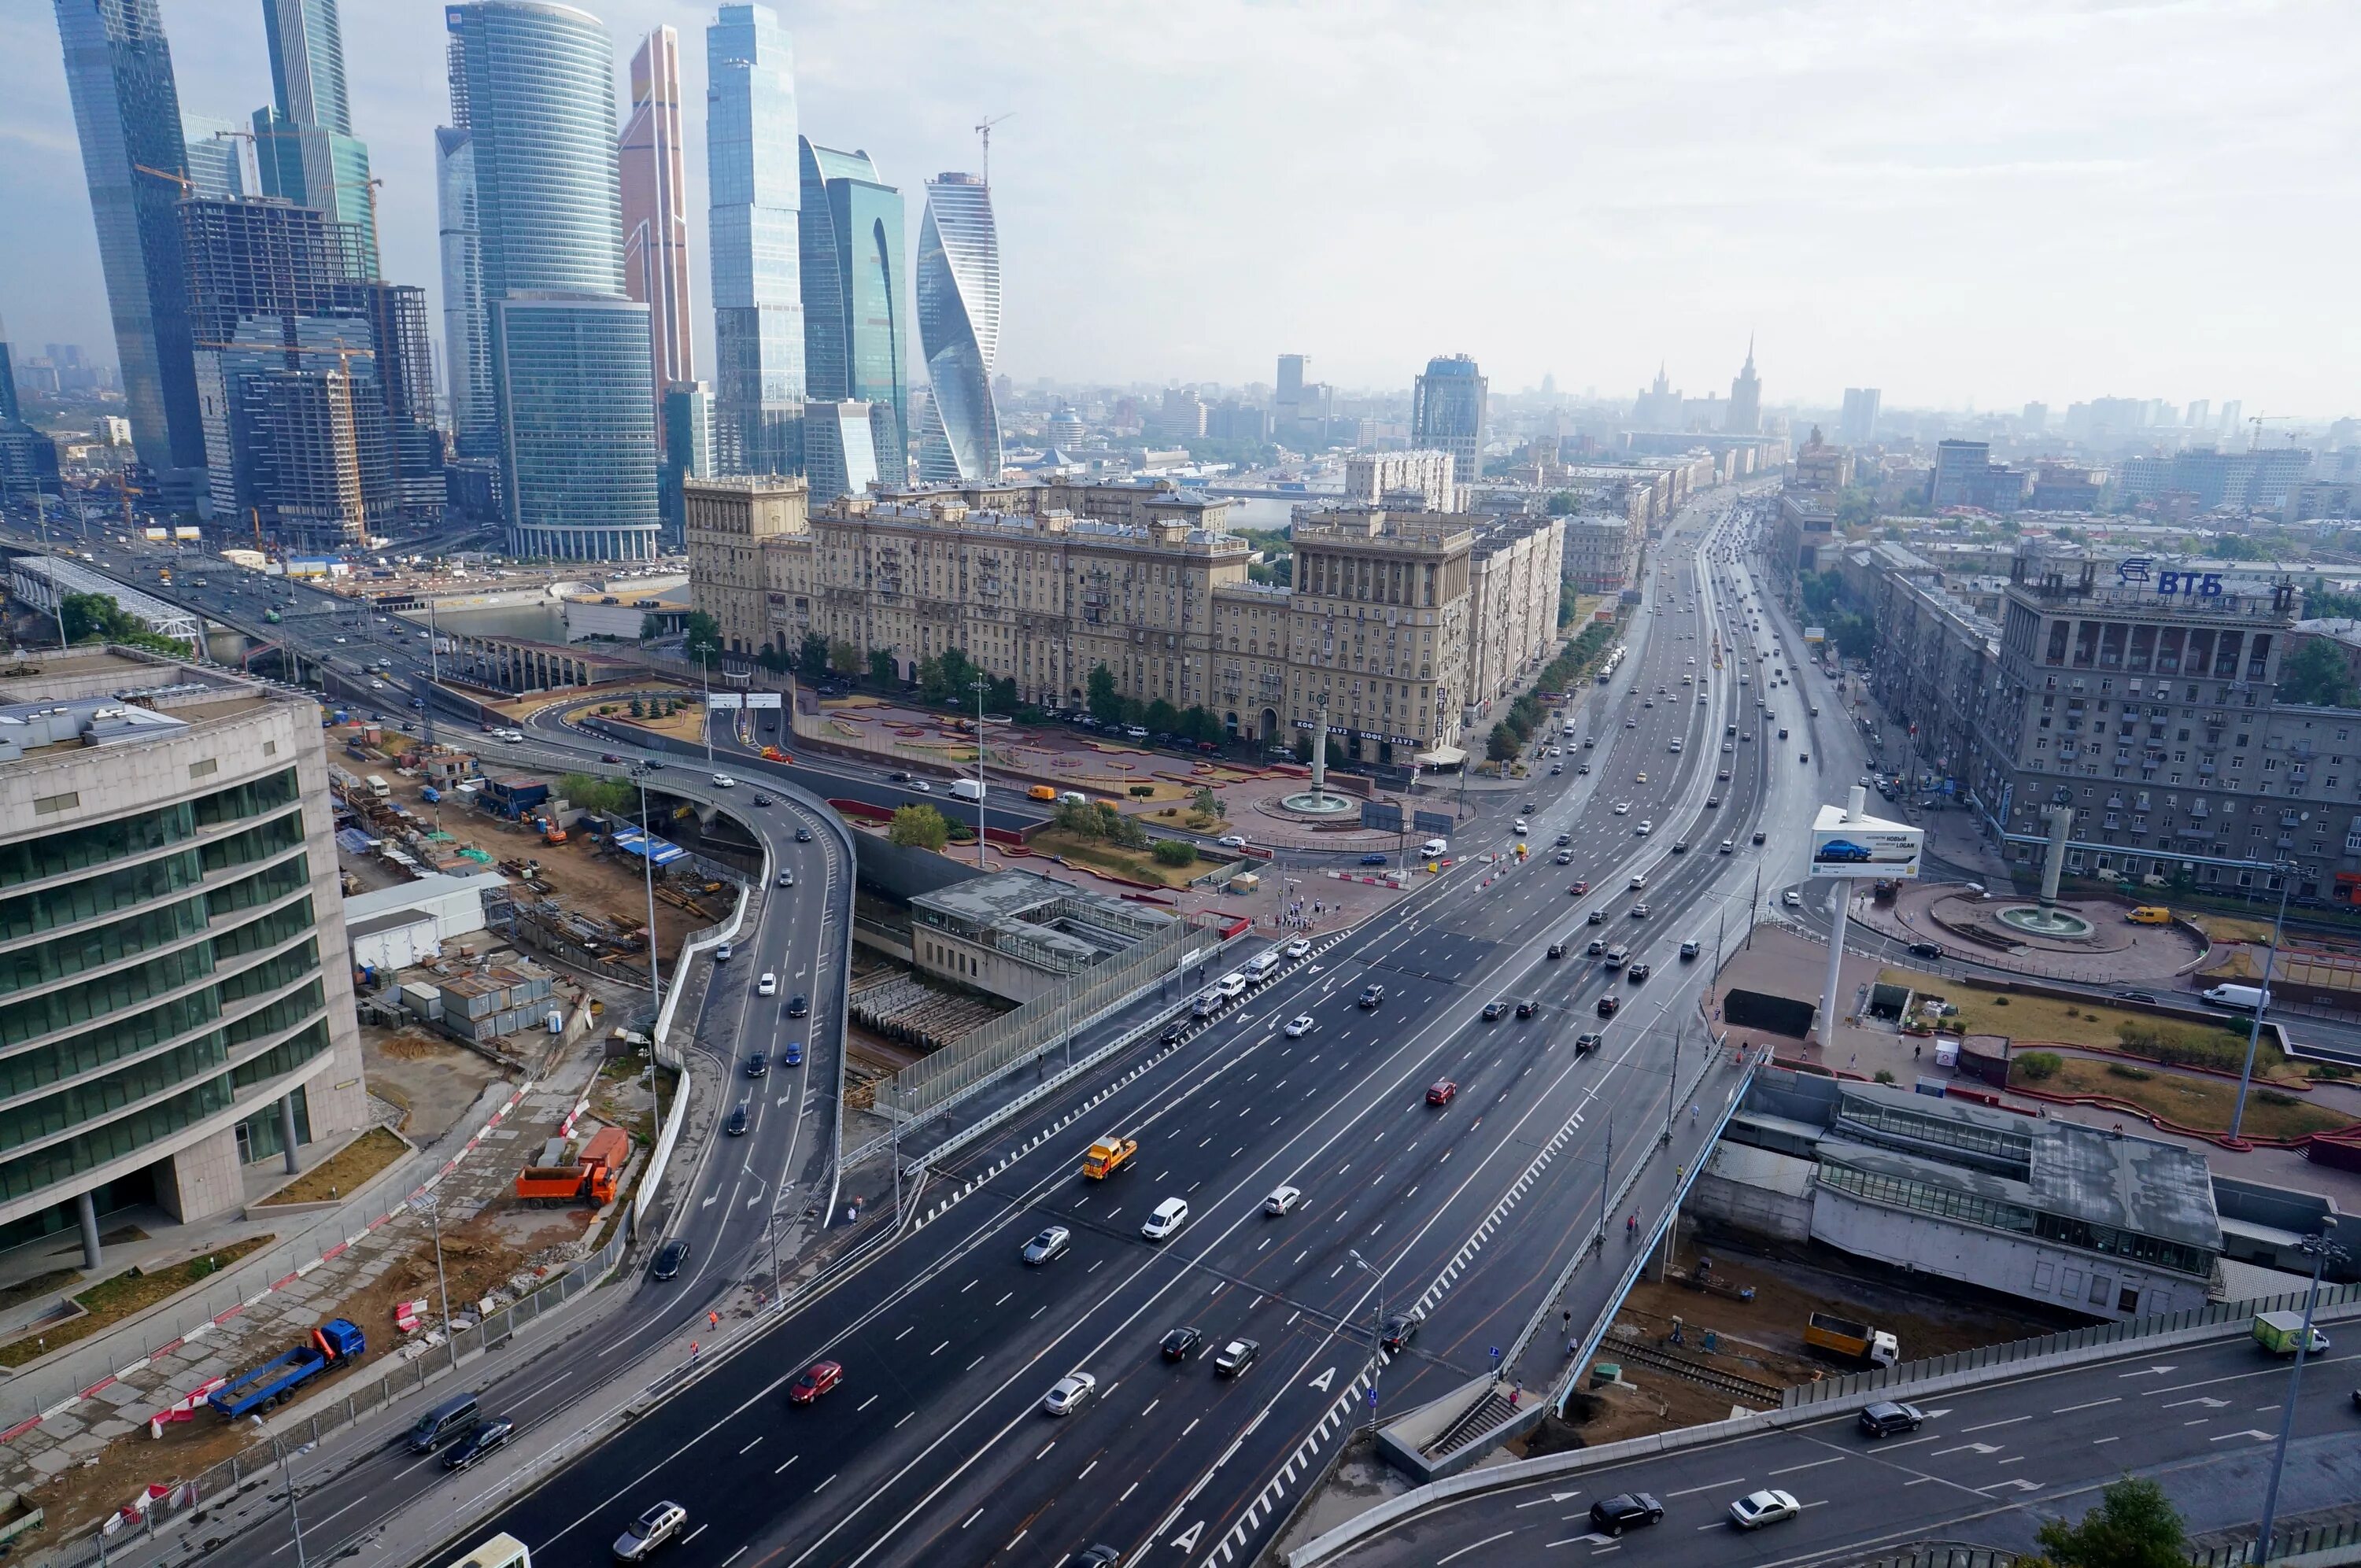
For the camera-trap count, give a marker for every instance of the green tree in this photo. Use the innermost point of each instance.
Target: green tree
(2135, 1526)
(1175, 852)
(2331, 604)
(1304, 747)
(1205, 803)
(639, 708)
(919, 827)
(1076, 817)
(1121, 831)
(1562, 503)
(1162, 717)
(1105, 702)
(1501, 745)
(704, 635)
(2316, 676)
(651, 628)
(1002, 698)
(594, 794)
(772, 657)
(97, 617)
(843, 658)
(811, 657)
(881, 668)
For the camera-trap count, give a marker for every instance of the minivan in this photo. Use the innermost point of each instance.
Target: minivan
(1168, 1217)
(1434, 848)
(1617, 955)
(2150, 915)
(444, 1421)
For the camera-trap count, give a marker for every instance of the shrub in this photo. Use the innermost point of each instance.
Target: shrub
(1885, 1075)
(2125, 1070)
(2184, 1046)
(1141, 792)
(1175, 852)
(2036, 1066)
(2277, 1096)
(2000, 1001)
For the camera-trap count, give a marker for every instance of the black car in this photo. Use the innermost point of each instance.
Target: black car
(1235, 1357)
(803, 835)
(1563, 840)
(1886, 1417)
(736, 1126)
(487, 1434)
(1371, 995)
(1558, 949)
(1180, 1344)
(899, 776)
(669, 1258)
(1172, 1033)
(762, 799)
(1495, 1010)
(1397, 1331)
(797, 1006)
(1585, 1043)
(1635, 973)
(1618, 1513)
(1608, 1005)
(1926, 950)
(1096, 1557)
(758, 1064)
(1528, 1007)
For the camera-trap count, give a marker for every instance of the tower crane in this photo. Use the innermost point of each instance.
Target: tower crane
(984, 129)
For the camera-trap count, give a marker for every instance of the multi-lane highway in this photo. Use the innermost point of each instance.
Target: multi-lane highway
(1988, 1466)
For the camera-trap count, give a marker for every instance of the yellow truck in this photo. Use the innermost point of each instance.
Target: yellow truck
(1108, 1155)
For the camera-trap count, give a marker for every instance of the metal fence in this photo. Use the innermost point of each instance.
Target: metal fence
(2289, 1544)
(1937, 1554)
(1852, 1385)
(1056, 1015)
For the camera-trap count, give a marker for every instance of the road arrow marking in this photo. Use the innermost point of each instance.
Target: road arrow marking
(2020, 1483)
(2200, 1399)
(2148, 1371)
(1967, 1448)
(1187, 1540)
(2250, 1431)
(1324, 1380)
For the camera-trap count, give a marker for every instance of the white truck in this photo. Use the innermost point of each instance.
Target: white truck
(2240, 998)
(967, 789)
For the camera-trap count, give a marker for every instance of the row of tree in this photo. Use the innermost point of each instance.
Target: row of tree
(1575, 663)
(96, 618)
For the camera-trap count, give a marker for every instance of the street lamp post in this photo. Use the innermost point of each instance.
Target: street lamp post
(2262, 1000)
(704, 651)
(979, 686)
(424, 1203)
(656, 977)
(1377, 1325)
(2323, 1251)
(286, 1468)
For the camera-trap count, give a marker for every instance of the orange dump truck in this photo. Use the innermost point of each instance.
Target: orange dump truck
(1107, 1156)
(591, 1179)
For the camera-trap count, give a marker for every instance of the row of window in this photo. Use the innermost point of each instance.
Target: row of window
(97, 843)
(118, 990)
(68, 903)
(159, 925)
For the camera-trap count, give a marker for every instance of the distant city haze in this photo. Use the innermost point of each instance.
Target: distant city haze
(2015, 200)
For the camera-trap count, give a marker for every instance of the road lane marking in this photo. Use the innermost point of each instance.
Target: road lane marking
(1988, 1425)
(791, 1459)
(1473, 1545)
(1814, 1465)
(2069, 1409)
(1709, 1487)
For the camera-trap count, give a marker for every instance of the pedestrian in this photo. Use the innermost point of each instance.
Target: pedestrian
(1693, 1113)
(1631, 1226)
(1914, 1052)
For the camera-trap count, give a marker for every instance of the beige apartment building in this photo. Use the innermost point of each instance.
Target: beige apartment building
(1382, 625)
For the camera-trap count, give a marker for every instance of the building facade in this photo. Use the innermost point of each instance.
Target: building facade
(753, 227)
(1384, 478)
(1744, 415)
(178, 1003)
(578, 427)
(1514, 569)
(853, 288)
(1447, 414)
(1858, 422)
(304, 150)
(1602, 553)
(655, 211)
(958, 330)
(687, 451)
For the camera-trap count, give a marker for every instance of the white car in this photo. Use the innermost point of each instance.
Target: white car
(1299, 1025)
(1645, 828)
(922, 786)
(1230, 841)
(1519, 826)
(768, 985)
(1299, 947)
(1066, 1396)
(1792, 899)
(1758, 1508)
(1282, 1201)
(1622, 809)
(723, 781)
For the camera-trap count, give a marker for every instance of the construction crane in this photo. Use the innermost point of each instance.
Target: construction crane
(984, 129)
(188, 186)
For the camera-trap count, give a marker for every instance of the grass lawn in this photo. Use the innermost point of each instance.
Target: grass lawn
(2231, 928)
(1139, 865)
(341, 1175)
(2187, 1099)
(111, 1300)
(2029, 1019)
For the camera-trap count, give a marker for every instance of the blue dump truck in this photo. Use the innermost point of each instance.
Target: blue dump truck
(333, 1343)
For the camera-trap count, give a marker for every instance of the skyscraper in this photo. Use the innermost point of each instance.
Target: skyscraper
(1446, 414)
(572, 400)
(1860, 420)
(127, 117)
(688, 452)
(853, 288)
(758, 308)
(466, 330)
(1745, 415)
(28, 458)
(655, 215)
(959, 329)
(303, 144)
(215, 167)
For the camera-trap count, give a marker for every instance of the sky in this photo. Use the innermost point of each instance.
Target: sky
(1964, 202)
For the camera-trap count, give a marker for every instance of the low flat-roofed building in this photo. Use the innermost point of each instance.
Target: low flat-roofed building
(1016, 933)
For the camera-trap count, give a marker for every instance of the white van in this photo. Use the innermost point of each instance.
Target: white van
(1169, 1216)
(1261, 967)
(1232, 986)
(1434, 848)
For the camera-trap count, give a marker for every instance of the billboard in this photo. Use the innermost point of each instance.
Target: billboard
(762, 699)
(1865, 846)
(1381, 815)
(726, 699)
(1815, 634)
(1439, 823)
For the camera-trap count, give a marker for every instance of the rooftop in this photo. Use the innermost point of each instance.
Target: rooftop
(29, 729)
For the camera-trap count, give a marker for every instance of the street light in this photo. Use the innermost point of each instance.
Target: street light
(286, 1468)
(1377, 1325)
(2255, 1031)
(979, 686)
(2324, 1251)
(655, 978)
(705, 667)
(424, 1203)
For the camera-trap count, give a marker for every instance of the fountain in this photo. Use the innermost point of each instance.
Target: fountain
(2046, 919)
(1316, 801)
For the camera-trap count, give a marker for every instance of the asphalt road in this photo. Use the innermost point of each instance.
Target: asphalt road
(933, 1446)
(1989, 1465)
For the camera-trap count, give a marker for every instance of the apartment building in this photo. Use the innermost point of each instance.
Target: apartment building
(1380, 479)
(1602, 553)
(1515, 566)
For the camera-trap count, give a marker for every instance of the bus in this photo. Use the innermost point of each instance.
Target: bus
(499, 1552)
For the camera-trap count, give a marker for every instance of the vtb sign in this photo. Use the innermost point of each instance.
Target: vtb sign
(2135, 569)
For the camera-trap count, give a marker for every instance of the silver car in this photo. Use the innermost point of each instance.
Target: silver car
(655, 1528)
(1051, 1243)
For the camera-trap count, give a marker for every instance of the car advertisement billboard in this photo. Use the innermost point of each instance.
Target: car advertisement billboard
(1865, 846)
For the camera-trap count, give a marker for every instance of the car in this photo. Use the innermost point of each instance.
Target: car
(1756, 1510)
(736, 1126)
(1563, 840)
(1528, 1007)
(803, 835)
(1178, 1345)
(1299, 947)
(1645, 827)
(609, 757)
(1165, 1219)
(1887, 1416)
(1518, 826)
(1642, 779)
(1690, 948)
(2149, 997)
(1373, 858)
(1557, 768)
(792, 1053)
(761, 799)
(482, 1438)
(1397, 1331)
(1622, 809)
(655, 1527)
(1680, 846)
(1792, 899)
(1595, 918)
(1758, 834)
(1635, 973)
(818, 1379)
(786, 879)
(1587, 1042)
(1495, 1010)
(1371, 997)
(721, 954)
(656, 764)
(1621, 1512)
(1049, 1243)
(899, 776)
(1068, 1394)
(1564, 857)
(1174, 1030)
(1722, 776)
(922, 786)
(1844, 850)
(1282, 1200)
(669, 1258)
(1581, 885)
(1441, 1091)
(723, 781)
(1608, 1005)
(1803, 756)
(1299, 1026)
(1230, 841)
(1783, 735)
(1558, 949)
(1639, 912)
(758, 1064)
(1925, 950)
(768, 985)
(1581, 770)
(1235, 1357)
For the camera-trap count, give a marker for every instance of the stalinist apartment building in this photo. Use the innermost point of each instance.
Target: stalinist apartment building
(1406, 626)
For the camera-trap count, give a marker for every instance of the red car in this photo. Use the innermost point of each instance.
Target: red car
(1579, 888)
(609, 757)
(817, 1379)
(1440, 1094)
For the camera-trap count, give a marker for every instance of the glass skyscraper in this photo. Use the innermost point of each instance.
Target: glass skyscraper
(655, 218)
(758, 307)
(127, 116)
(959, 327)
(466, 330)
(1446, 414)
(214, 168)
(303, 144)
(853, 288)
(532, 86)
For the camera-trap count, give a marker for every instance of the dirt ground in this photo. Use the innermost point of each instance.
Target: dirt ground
(342, 1172)
(429, 1077)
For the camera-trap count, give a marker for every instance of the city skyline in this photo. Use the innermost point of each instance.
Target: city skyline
(1847, 213)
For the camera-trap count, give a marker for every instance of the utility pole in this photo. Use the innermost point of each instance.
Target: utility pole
(2323, 1251)
(979, 686)
(424, 1203)
(1754, 908)
(2255, 1030)
(705, 667)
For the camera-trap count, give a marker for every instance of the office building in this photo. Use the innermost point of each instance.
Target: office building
(853, 290)
(28, 457)
(1858, 422)
(1821, 466)
(303, 144)
(838, 449)
(180, 1003)
(1602, 552)
(758, 308)
(1744, 415)
(1965, 476)
(466, 330)
(1447, 414)
(688, 451)
(2258, 479)
(573, 405)
(958, 330)
(127, 117)
(2234, 415)
(2200, 414)
(215, 168)
(1389, 479)
(655, 210)
(404, 366)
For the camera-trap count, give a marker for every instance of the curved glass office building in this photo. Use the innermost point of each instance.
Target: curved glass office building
(958, 323)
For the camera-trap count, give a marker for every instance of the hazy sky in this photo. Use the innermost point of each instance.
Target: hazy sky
(1964, 200)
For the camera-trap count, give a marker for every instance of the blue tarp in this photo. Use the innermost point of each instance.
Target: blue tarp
(631, 841)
